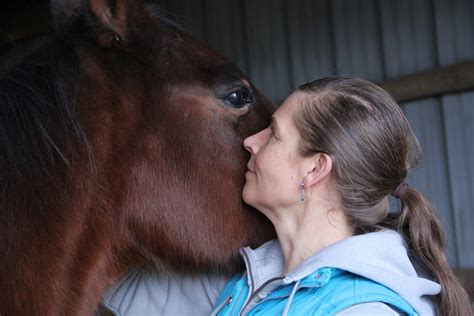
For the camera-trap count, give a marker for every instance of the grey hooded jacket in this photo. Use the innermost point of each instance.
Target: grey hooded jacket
(380, 256)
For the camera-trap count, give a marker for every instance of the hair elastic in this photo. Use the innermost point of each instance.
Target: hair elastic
(402, 187)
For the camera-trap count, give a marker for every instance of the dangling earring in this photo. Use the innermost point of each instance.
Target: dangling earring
(302, 192)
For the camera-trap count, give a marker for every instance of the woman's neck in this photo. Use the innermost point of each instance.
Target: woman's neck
(304, 232)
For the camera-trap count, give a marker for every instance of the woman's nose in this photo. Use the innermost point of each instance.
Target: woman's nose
(249, 144)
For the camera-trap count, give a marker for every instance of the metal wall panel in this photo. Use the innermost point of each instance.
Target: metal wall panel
(459, 121)
(455, 39)
(310, 24)
(454, 30)
(267, 44)
(190, 14)
(408, 36)
(357, 39)
(227, 31)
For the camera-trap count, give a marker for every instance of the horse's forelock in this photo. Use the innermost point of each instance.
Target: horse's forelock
(64, 12)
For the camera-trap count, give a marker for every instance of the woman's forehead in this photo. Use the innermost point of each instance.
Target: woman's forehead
(292, 102)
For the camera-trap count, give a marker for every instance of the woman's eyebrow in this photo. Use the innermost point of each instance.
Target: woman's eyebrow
(275, 125)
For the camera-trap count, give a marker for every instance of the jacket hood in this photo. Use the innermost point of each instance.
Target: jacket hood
(380, 256)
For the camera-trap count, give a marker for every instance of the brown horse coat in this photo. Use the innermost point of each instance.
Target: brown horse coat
(121, 145)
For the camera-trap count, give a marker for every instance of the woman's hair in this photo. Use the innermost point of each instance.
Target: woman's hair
(361, 127)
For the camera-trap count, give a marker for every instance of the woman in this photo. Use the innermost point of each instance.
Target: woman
(323, 172)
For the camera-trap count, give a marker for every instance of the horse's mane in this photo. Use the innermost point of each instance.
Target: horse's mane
(37, 115)
(37, 103)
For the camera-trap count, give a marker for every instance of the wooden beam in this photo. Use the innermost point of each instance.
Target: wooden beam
(455, 78)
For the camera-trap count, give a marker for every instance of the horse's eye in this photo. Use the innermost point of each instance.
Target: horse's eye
(239, 98)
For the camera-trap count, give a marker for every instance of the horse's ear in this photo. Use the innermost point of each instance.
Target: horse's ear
(110, 20)
(114, 19)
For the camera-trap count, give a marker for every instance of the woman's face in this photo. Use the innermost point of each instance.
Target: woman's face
(274, 170)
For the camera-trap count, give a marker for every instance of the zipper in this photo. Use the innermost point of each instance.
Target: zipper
(237, 301)
(257, 291)
(220, 307)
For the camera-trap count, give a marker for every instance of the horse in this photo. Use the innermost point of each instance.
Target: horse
(121, 145)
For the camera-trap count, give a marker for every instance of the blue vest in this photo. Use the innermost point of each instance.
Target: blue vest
(325, 292)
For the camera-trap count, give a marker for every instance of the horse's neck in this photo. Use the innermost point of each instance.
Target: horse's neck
(61, 265)
(56, 240)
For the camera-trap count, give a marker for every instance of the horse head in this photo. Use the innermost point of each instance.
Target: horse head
(122, 147)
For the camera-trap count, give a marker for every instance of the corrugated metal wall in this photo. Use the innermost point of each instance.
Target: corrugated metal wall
(282, 43)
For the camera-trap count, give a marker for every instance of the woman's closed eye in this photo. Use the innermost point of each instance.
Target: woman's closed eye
(272, 132)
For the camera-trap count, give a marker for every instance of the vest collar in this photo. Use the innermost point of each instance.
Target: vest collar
(267, 262)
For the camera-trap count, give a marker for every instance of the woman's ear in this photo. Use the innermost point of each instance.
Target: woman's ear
(319, 168)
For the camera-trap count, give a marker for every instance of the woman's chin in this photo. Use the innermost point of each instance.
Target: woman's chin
(247, 195)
